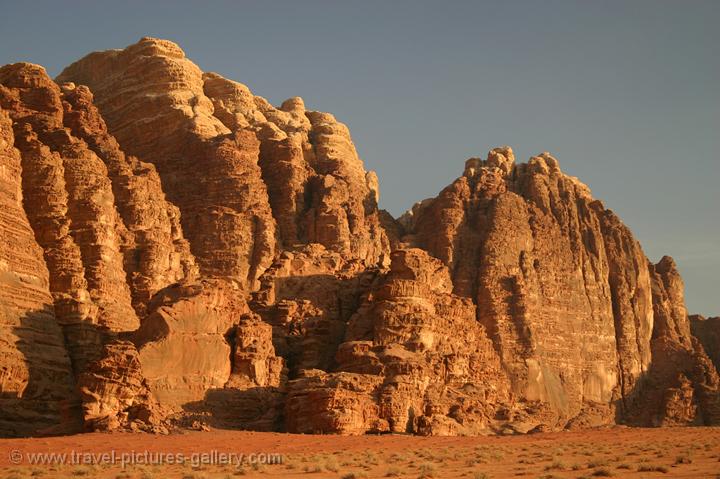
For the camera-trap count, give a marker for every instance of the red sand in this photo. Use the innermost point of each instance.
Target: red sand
(622, 452)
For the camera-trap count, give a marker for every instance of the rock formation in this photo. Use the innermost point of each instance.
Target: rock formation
(708, 333)
(36, 384)
(177, 252)
(115, 393)
(402, 368)
(682, 384)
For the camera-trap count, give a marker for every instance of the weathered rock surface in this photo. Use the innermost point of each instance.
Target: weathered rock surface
(182, 341)
(402, 368)
(36, 382)
(115, 394)
(526, 243)
(294, 168)
(70, 203)
(560, 283)
(156, 255)
(254, 363)
(177, 252)
(308, 296)
(682, 386)
(707, 331)
(152, 99)
(318, 189)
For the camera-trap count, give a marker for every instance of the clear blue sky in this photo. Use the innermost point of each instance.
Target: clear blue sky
(626, 94)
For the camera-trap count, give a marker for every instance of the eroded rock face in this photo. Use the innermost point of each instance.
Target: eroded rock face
(70, 203)
(561, 285)
(177, 252)
(115, 394)
(152, 99)
(36, 383)
(526, 243)
(254, 363)
(402, 368)
(263, 166)
(157, 254)
(317, 186)
(308, 296)
(683, 386)
(707, 331)
(182, 342)
(344, 403)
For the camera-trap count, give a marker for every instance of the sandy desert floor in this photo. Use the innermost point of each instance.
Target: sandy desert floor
(616, 452)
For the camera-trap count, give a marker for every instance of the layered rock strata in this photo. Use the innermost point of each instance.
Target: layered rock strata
(561, 285)
(708, 332)
(36, 383)
(177, 252)
(262, 166)
(402, 368)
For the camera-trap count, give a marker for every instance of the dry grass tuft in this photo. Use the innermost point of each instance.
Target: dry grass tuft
(652, 468)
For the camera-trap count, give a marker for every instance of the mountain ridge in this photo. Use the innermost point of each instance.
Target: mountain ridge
(200, 257)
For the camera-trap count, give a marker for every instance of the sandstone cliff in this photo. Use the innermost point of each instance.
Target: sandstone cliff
(708, 332)
(36, 384)
(187, 254)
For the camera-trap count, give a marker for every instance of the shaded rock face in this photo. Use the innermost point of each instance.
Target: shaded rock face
(177, 252)
(707, 331)
(308, 296)
(682, 385)
(36, 384)
(401, 367)
(115, 393)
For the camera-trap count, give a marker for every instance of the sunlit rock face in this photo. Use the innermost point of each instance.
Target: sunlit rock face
(177, 252)
(575, 311)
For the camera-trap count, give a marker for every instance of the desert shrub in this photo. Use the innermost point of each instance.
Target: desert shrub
(555, 466)
(393, 472)
(331, 465)
(427, 470)
(652, 468)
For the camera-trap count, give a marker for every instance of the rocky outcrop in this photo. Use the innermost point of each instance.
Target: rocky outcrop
(182, 342)
(152, 99)
(70, 204)
(254, 363)
(401, 368)
(288, 167)
(707, 331)
(560, 283)
(341, 403)
(253, 395)
(36, 382)
(682, 386)
(157, 254)
(177, 252)
(115, 394)
(527, 244)
(308, 296)
(317, 186)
